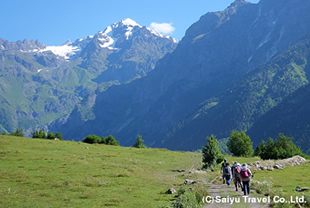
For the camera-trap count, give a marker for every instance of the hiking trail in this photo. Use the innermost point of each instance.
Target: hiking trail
(224, 191)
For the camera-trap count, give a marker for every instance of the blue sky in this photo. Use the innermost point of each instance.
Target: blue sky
(53, 22)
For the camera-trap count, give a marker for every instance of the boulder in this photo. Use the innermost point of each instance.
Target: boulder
(270, 168)
(171, 191)
(251, 164)
(187, 181)
(299, 189)
(278, 166)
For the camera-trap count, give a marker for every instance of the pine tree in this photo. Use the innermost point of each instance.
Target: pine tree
(211, 152)
(139, 142)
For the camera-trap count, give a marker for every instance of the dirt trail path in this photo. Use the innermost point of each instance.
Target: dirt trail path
(228, 193)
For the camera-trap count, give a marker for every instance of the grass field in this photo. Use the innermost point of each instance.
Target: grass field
(47, 173)
(44, 173)
(286, 180)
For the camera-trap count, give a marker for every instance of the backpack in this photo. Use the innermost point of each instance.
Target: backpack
(226, 170)
(244, 173)
(237, 169)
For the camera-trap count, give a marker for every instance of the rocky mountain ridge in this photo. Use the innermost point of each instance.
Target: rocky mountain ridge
(40, 83)
(206, 85)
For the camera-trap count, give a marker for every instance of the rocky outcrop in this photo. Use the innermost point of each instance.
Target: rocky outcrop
(278, 164)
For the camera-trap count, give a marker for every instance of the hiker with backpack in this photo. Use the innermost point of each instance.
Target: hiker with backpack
(227, 174)
(222, 169)
(235, 170)
(246, 178)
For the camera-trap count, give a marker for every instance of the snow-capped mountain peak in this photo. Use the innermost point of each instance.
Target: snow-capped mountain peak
(110, 38)
(112, 33)
(129, 22)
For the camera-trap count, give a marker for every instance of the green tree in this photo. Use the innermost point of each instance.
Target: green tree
(139, 142)
(59, 135)
(286, 148)
(211, 152)
(92, 139)
(110, 140)
(282, 148)
(260, 149)
(240, 144)
(39, 134)
(18, 132)
(51, 135)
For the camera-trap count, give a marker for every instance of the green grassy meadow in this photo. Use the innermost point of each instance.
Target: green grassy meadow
(286, 180)
(48, 173)
(45, 173)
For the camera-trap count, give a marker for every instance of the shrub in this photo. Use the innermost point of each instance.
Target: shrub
(92, 139)
(110, 140)
(307, 199)
(190, 198)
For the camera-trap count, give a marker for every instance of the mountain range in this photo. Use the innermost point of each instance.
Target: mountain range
(40, 83)
(244, 68)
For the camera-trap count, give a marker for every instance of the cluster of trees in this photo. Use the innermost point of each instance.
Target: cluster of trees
(93, 139)
(240, 145)
(18, 132)
(110, 140)
(40, 134)
(282, 148)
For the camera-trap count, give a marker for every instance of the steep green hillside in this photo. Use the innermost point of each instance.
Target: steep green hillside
(43, 173)
(255, 94)
(290, 117)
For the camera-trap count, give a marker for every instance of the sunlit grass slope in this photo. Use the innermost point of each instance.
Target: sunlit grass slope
(44, 173)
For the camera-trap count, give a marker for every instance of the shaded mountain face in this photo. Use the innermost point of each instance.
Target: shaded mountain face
(250, 99)
(189, 94)
(40, 83)
(290, 117)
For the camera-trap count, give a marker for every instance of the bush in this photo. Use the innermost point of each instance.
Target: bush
(240, 144)
(262, 187)
(139, 142)
(190, 198)
(211, 152)
(110, 140)
(307, 199)
(92, 139)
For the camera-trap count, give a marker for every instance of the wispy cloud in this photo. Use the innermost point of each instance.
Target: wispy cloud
(163, 28)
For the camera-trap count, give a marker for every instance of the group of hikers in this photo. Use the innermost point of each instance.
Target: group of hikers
(241, 175)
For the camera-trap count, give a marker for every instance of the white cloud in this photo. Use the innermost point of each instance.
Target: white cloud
(163, 28)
